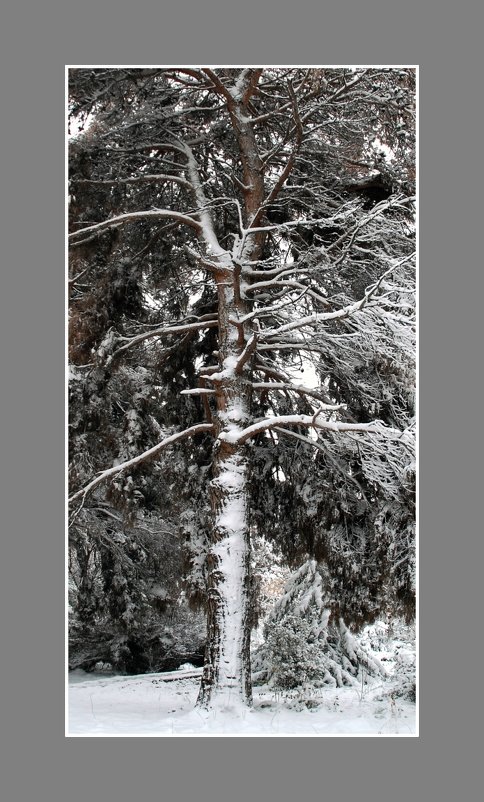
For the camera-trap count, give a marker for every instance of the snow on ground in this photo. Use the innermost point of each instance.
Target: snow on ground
(163, 705)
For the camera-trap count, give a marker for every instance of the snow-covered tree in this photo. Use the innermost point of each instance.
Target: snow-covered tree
(233, 231)
(303, 644)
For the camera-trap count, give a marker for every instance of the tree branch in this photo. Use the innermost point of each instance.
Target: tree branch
(300, 389)
(146, 455)
(250, 85)
(163, 331)
(340, 314)
(309, 421)
(290, 162)
(136, 180)
(206, 223)
(317, 444)
(155, 214)
(246, 353)
(217, 83)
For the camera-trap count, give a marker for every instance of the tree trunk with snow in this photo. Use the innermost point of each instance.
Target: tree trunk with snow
(226, 677)
(227, 673)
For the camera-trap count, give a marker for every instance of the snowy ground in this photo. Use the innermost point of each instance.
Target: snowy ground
(163, 705)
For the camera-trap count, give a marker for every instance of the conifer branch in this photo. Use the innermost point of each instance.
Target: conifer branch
(307, 421)
(144, 457)
(153, 214)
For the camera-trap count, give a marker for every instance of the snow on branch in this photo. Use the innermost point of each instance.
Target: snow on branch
(136, 180)
(395, 201)
(206, 224)
(296, 388)
(246, 353)
(320, 317)
(146, 455)
(153, 214)
(140, 179)
(309, 421)
(291, 224)
(163, 331)
(197, 391)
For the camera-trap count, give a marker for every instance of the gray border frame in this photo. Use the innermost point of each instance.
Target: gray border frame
(38, 39)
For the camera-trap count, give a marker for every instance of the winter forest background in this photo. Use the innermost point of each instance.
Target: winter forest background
(242, 378)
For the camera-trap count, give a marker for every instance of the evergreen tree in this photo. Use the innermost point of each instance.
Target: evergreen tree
(231, 231)
(304, 644)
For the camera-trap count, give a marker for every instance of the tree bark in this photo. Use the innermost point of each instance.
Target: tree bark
(226, 677)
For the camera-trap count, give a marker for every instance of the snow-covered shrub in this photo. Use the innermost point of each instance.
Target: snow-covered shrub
(293, 654)
(394, 642)
(405, 684)
(103, 668)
